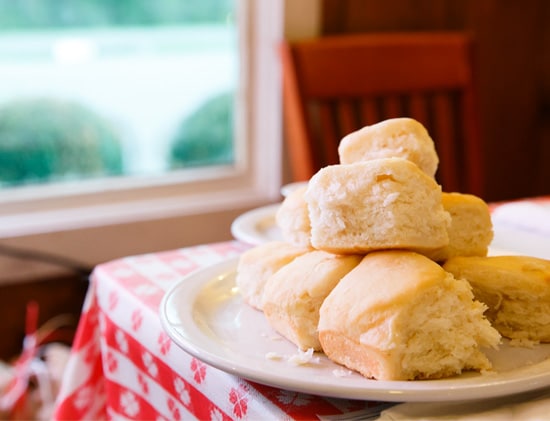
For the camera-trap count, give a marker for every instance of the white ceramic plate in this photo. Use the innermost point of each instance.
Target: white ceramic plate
(289, 188)
(257, 226)
(523, 225)
(205, 315)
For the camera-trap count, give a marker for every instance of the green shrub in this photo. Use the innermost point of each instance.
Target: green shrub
(18, 14)
(206, 136)
(45, 140)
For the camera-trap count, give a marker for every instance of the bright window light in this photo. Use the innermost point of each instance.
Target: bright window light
(109, 116)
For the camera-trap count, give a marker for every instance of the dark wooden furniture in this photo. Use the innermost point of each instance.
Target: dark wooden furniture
(512, 73)
(57, 291)
(334, 85)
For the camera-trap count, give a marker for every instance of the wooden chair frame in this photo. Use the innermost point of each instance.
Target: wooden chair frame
(334, 85)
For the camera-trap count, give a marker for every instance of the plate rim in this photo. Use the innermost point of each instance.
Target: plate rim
(240, 227)
(492, 385)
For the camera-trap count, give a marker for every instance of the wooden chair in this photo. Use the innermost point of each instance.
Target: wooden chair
(334, 85)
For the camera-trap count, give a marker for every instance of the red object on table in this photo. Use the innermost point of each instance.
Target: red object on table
(124, 365)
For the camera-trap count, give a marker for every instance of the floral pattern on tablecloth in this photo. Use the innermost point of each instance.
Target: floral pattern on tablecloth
(124, 366)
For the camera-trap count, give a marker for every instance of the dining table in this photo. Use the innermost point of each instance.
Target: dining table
(127, 363)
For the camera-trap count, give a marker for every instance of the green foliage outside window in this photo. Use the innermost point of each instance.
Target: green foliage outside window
(206, 136)
(45, 140)
(42, 14)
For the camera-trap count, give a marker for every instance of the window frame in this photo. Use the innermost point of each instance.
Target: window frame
(255, 179)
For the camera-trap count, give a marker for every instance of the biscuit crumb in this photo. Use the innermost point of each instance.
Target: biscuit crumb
(303, 357)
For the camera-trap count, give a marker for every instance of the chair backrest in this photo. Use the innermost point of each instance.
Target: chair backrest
(334, 85)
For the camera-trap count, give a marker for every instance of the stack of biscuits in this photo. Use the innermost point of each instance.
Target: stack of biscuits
(388, 275)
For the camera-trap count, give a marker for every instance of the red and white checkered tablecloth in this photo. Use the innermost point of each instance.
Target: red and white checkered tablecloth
(124, 366)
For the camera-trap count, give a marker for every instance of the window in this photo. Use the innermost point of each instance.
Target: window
(100, 88)
(137, 182)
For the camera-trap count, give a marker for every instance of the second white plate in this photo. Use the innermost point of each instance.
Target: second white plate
(257, 226)
(205, 315)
